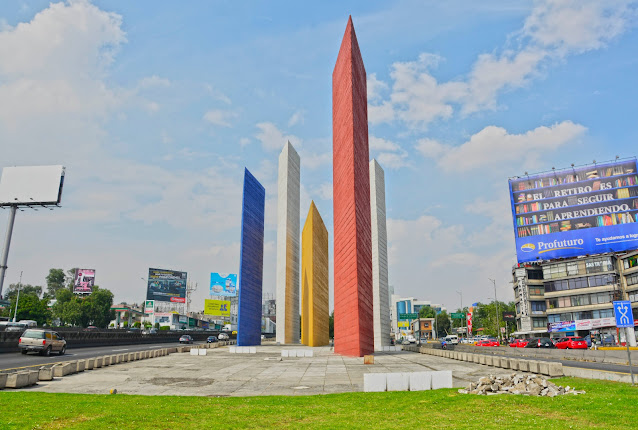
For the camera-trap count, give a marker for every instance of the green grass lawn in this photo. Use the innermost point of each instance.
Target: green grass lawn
(605, 405)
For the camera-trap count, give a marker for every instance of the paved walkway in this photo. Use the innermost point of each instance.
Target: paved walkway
(221, 373)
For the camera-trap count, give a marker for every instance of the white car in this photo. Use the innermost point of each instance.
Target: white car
(223, 336)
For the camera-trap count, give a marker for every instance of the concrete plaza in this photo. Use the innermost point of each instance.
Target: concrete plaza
(220, 373)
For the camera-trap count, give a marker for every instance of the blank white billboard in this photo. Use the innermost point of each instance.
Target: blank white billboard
(33, 185)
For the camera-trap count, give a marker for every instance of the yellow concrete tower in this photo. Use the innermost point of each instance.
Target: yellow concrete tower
(314, 280)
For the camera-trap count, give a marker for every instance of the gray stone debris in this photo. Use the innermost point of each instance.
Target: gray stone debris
(528, 385)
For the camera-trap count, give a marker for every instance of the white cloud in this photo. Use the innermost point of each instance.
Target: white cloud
(325, 191)
(296, 118)
(219, 117)
(153, 81)
(217, 95)
(244, 141)
(554, 30)
(389, 154)
(380, 144)
(273, 139)
(495, 146)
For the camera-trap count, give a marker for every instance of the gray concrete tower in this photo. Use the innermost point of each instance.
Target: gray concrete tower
(288, 252)
(381, 300)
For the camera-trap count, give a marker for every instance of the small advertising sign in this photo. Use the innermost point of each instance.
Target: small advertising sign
(223, 284)
(217, 307)
(149, 306)
(84, 281)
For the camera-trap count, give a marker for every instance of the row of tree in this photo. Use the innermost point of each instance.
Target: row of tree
(484, 317)
(58, 304)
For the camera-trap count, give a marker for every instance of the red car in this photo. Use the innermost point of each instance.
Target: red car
(488, 343)
(571, 342)
(519, 343)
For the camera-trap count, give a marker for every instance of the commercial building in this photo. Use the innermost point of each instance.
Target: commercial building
(574, 297)
(407, 305)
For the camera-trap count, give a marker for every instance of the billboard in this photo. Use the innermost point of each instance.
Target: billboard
(84, 281)
(31, 185)
(166, 286)
(222, 284)
(577, 211)
(217, 307)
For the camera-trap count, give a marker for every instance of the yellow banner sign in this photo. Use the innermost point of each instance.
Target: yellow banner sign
(404, 324)
(217, 307)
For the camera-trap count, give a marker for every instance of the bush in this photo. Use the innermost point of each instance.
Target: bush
(165, 327)
(137, 324)
(125, 324)
(157, 325)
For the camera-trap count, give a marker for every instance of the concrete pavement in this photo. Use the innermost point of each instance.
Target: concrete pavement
(220, 373)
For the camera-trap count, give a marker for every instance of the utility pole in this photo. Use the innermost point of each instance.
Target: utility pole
(498, 323)
(15, 311)
(460, 293)
(7, 243)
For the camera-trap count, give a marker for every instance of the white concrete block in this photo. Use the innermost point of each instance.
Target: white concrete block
(285, 353)
(386, 348)
(301, 353)
(202, 351)
(398, 381)
(441, 379)
(253, 350)
(308, 353)
(374, 382)
(420, 381)
(232, 349)
(194, 352)
(292, 353)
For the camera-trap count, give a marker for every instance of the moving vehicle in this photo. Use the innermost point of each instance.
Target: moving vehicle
(488, 342)
(223, 336)
(608, 340)
(42, 341)
(543, 342)
(519, 343)
(571, 342)
(211, 339)
(15, 326)
(411, 339)
(186, 339)
(452, 339)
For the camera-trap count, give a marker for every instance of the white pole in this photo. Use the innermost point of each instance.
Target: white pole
(7, 242)
(15, 311)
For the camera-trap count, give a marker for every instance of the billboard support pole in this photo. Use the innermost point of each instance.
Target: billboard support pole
(7, 242)
(628, 332)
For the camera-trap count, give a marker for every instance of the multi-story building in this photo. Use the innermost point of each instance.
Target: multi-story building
(406, 305)
(573, 297)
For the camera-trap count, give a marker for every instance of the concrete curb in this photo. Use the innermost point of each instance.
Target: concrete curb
(3, 380)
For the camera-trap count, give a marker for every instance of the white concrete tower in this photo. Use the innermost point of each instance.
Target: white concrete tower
(381, 299)
(288, 249)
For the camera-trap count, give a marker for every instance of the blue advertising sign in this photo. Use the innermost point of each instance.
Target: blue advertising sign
(622, 312)
(577, 211)
(223, 284)
(556, 327)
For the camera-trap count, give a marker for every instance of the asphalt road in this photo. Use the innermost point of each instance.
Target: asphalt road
(14, 360)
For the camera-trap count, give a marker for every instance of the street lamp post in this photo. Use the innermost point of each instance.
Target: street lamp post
(460, 293)
(498, 323)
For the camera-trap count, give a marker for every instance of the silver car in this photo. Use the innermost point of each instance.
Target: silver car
(42, 341)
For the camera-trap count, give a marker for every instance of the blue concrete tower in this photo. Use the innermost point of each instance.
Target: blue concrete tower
(251, 262)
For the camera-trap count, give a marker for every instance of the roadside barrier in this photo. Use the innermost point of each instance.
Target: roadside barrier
(548, 368)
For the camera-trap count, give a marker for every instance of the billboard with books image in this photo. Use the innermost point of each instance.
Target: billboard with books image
(582, 210)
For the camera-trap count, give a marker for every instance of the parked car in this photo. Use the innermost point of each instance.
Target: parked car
(571, 342)
(514, 343)
(223, 336)
(211, 339)
(186, 339)
(42, 341)
(521, 343)
(488, 342)
(91, 328)
(15, 327)
(608, 340)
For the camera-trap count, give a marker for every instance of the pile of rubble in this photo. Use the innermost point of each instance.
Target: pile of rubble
(529, 385)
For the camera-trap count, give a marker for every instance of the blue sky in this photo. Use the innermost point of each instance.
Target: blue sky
(155, 109)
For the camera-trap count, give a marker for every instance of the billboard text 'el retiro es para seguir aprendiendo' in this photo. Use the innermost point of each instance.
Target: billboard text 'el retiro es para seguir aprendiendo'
(576, 211)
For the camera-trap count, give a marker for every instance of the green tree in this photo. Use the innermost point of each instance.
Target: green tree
(94, 309)
(427, 312)
(31, 307)
(55, 281)
(70, 277)
(443, 324)
(12, 291)
(101, 301)
(331, 325)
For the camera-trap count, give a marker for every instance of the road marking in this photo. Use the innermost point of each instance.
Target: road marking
(117, 350)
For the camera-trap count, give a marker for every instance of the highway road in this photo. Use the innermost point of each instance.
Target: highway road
(15, 361)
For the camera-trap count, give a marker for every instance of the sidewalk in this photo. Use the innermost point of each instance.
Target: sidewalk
(221, 373)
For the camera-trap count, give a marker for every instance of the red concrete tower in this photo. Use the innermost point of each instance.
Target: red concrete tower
(353, 321)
